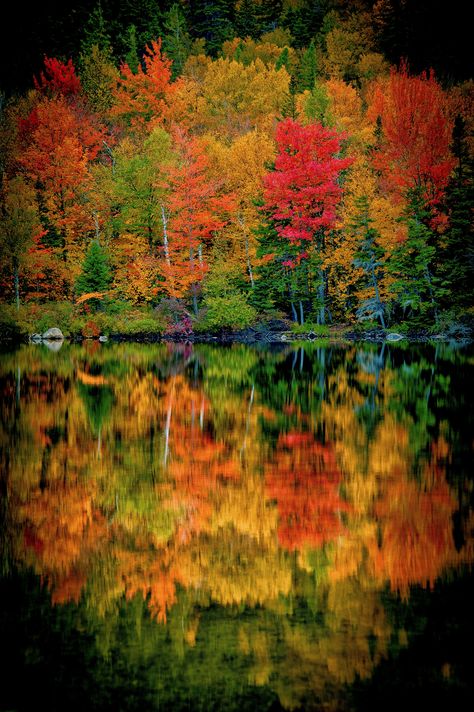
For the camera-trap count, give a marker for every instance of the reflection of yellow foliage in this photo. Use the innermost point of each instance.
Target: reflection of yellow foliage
(90, 380)
(237, 571)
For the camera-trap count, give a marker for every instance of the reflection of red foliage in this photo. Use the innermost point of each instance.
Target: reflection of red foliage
(304, 480)
(32, 541)
(416, 527)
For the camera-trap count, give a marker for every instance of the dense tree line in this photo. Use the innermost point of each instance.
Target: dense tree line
(213, 163)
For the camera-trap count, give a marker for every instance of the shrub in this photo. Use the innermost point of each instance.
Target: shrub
(310, 327)
(231, 311)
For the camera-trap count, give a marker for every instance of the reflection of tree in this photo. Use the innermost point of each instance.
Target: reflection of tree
(304, 480)
(415, 528)
(214, 498)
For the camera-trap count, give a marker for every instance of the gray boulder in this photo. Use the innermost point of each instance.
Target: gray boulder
(394, 337)
(53, 334)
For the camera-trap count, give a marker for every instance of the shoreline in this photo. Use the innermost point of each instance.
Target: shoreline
(254, 337)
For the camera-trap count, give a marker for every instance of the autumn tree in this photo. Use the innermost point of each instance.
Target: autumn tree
(58, 78)
(19, 219)
(303, 191)
(414, 159)
(414, 152)
(242, 165)
(139, 190)
(197, 211)
(141, 98)
(62, 140)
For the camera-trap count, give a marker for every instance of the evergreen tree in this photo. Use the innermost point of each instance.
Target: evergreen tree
(316, 106)
(369, 257)
(458, 255)
(308, 68)
(416, 288)
(96, 32)
(247, 23)
(95, 275)
(268, 14)
(176, 42)
(131, 56)
(289, 105)
(213, 21)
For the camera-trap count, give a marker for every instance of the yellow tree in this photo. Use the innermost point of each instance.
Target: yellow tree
(243, 164)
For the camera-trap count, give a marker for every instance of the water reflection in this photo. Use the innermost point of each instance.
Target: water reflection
(245, 515)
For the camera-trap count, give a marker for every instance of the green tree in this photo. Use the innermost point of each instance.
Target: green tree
(308, 69)
(416, 287)
(457, 262)
(96, 32)
(176, 41)
(131, 45)
(213, 21)
(369, 257)
(227, 305)
(246, 21)
(96, 275)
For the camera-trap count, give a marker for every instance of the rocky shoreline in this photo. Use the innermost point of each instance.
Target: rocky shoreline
(274, 333)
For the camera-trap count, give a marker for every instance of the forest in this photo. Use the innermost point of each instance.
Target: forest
(202, 167)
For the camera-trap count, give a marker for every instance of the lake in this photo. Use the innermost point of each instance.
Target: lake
(231, 528)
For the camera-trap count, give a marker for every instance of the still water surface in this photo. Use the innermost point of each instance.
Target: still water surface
(205, 528)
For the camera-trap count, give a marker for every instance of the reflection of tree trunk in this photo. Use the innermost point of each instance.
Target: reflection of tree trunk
(295, 358)
(301, 359)
(99, 443)
(43, 483)
(18, 386)
(321, 355)
(247, 423)
(168, 424)
(16, 282)
(201, 414)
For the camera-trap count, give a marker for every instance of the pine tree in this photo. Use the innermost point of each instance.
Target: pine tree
(369, 257)
(416, 287)
(246, 21)
(308, 68)
(96, 32)
(213, 21)
(176, 41)
(458, 254)
(131, 55)
(95, 275)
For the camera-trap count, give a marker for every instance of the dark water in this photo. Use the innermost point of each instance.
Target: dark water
(203, 528)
